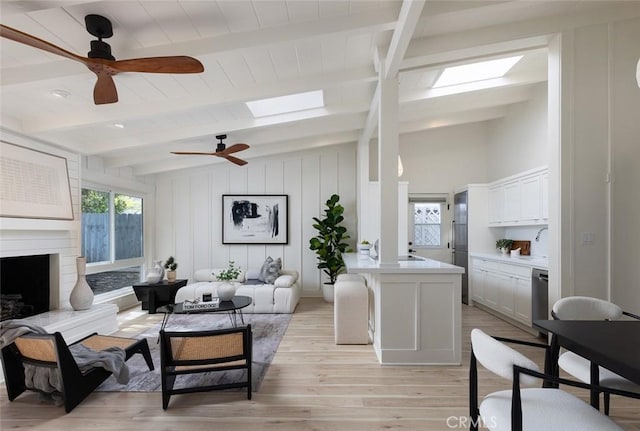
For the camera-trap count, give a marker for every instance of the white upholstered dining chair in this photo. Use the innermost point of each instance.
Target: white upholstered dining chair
(532, 408)
(587, 308)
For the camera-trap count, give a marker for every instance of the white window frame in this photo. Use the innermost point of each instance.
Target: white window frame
(112, 264)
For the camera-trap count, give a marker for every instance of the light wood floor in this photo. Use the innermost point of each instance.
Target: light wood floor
(312, 384)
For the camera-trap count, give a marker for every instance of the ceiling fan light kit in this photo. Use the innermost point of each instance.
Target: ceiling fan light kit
(100, 60)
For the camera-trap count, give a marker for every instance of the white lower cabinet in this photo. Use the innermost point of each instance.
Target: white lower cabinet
(503, 287)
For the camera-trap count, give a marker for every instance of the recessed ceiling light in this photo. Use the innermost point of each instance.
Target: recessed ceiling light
(60, 94)
(119, 125)
(284, 104)
(476, 71)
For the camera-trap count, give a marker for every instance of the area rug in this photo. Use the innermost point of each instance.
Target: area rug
(268, 330)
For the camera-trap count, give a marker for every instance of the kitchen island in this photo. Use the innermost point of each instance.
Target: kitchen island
(414, 309)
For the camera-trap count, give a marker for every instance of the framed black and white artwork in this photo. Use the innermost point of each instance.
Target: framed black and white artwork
(255, 219)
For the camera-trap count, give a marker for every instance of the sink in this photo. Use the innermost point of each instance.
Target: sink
(409, 257)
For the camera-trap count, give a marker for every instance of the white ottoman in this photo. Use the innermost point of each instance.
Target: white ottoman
(350, 277)
(351, 312)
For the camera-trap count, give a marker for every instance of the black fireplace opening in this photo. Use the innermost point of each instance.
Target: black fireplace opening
(24, 286)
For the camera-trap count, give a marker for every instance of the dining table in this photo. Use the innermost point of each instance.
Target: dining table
(614, 345)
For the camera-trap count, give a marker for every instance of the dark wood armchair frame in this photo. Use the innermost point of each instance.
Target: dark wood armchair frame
(171, 368)
(76, 385)
(516, 401)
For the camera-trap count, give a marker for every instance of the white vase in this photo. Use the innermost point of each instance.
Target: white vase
(156, 273)
(226, 291)
(81, 296)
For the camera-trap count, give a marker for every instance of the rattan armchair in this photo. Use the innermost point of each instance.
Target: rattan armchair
(192, 352)
(35, 351)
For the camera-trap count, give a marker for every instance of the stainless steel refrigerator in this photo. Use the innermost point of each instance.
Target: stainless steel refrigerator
(461, 240)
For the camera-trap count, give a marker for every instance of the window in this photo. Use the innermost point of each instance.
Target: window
(426, 221)
(112, 239)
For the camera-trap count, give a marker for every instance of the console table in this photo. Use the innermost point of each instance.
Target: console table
(154, 295)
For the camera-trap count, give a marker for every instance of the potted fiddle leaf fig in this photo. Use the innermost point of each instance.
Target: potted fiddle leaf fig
(330, 243)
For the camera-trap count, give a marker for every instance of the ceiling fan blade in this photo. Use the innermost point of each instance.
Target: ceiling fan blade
(175, 64)
(188, 153)
(27, 39)
(235, 148)
(235, 160)
(105, 89)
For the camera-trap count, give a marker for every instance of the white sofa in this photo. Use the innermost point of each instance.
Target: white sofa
(280, 297)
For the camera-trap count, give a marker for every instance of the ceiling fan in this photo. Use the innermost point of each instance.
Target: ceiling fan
(102, 63)
(221, 151)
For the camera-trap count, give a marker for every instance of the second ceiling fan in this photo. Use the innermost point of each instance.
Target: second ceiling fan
(221, 151)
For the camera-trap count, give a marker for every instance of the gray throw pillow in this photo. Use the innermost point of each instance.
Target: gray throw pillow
(264, 271)
(273, 271)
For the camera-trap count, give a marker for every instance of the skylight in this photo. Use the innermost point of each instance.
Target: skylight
(476, 71)
(284, 104)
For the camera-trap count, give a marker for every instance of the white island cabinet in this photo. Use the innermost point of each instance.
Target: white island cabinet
(414, 309)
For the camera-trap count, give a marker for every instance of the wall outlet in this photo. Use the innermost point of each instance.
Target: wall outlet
(586, 238)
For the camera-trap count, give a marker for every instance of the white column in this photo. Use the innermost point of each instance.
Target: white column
(388, 170)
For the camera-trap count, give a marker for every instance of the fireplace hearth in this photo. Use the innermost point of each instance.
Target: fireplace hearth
(24, 286)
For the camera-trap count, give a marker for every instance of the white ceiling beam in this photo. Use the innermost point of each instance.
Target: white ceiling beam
(405, 27)
(499, 84)
(109, 114)
(463, 102)
(261, 137)
(182, 134)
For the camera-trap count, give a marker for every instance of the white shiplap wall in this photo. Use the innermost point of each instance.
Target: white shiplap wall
(189, 209)
(24, 237)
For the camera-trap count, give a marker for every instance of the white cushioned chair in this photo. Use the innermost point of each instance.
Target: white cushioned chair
(587, 308)
(280, 297)
(532, 408)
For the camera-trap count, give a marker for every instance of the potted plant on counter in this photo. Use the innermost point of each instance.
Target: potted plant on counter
(329, 243)
(171, 265)
(364, 246)
(504, 245)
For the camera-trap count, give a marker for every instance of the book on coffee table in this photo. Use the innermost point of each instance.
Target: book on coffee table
(201, 305)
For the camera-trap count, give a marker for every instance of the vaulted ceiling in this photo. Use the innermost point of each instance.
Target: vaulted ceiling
(254, 49)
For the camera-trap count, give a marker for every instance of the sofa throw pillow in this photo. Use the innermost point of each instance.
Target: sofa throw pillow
(264, 271)
(274, 271)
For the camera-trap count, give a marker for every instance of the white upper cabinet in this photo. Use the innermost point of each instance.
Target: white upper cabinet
(520, 200)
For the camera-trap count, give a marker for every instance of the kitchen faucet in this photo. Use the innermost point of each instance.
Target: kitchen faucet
(539, 232)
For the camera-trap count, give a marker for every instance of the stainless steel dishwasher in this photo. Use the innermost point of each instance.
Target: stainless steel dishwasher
(540, 295)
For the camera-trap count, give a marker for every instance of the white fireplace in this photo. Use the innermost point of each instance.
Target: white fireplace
(60, 240)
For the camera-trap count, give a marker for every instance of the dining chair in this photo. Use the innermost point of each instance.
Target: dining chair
(531, 408)
(588, 308)
(46, 364)
(197, 352)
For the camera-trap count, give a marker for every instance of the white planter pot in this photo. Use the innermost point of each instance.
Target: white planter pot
(226, 291)
(327, 292)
